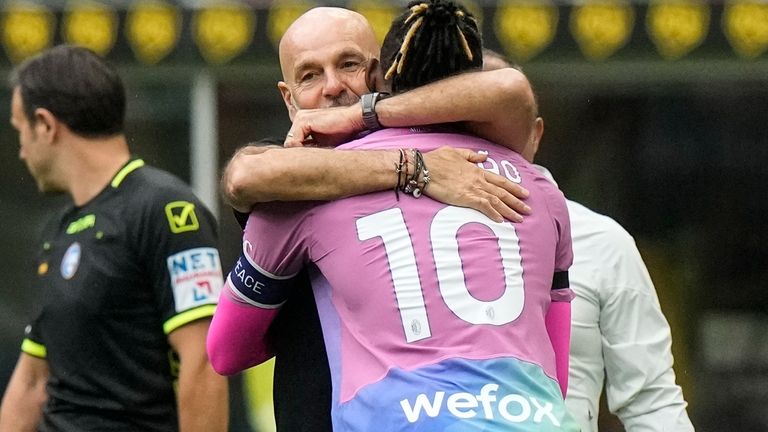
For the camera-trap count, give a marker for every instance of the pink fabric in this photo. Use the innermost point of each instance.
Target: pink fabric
(558, 322)
(344, 237)
(236, 338)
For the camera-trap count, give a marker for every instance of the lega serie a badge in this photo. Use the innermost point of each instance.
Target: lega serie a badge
(71, 261)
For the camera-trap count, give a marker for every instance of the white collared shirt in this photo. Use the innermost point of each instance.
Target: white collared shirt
(619, 333)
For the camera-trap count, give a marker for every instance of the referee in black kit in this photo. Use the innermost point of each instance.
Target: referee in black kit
(128, 275)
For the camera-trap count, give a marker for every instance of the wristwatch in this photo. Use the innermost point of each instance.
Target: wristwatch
(368, 103)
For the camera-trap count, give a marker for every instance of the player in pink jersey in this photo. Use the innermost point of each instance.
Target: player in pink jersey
(436, 315)
(457, 303)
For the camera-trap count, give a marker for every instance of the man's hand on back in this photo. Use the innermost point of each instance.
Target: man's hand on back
(455, 181)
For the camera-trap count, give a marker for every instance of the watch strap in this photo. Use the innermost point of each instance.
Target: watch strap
(368, 104)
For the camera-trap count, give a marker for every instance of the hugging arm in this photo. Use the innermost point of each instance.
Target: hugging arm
(497, 105)
(265, 174)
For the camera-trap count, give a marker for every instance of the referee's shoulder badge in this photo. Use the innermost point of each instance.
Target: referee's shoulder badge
(181, 216)
(71, 261)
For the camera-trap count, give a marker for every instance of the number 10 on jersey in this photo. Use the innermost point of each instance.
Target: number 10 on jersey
(390, 226)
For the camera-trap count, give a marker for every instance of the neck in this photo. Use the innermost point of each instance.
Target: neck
(92, 165)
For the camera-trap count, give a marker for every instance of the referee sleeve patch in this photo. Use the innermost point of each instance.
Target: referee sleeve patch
(196, 277)
(258, 287)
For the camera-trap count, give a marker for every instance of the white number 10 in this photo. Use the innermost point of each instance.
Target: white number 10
(390, 226)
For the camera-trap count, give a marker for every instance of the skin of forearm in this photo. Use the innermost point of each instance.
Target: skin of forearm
(203, 399)
(19, 414)
(25, 396)
(496, 105)
(299, 174)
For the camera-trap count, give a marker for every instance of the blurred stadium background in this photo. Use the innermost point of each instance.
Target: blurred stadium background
(655, 115)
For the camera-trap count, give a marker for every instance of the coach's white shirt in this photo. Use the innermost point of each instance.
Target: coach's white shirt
(619, 333)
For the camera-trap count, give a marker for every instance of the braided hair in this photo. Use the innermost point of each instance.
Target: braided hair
(433, 39)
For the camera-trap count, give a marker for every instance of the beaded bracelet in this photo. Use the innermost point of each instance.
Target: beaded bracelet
(420, 178)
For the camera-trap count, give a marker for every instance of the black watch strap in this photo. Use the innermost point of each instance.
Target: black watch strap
(368, 103)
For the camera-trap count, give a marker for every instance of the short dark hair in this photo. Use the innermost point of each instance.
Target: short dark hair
(433, 39)
(77, 86)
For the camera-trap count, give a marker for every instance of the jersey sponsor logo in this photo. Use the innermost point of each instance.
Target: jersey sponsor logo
(71, 261)
(514, 408)
(196, 277)
(181, 216)
(82, 224)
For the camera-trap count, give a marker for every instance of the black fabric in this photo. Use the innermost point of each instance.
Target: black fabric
(241, 218)
(111, 367)
(302, 383)
(560, 280)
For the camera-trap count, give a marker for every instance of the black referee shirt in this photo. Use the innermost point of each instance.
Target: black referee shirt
(115, 277)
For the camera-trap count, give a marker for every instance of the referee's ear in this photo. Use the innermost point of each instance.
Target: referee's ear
(47, 126)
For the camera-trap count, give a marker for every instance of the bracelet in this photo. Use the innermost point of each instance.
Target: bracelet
(419, 179)
(401, 170)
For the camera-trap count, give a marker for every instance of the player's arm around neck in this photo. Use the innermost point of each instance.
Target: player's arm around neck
(497, 105)
(25, 396)
(203, 398)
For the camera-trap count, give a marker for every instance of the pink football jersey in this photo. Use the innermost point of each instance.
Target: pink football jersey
(433, 315)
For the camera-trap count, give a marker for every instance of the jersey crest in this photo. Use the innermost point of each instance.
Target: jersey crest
(71, 261)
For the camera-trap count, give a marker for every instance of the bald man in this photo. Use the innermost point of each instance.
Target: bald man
(327, 58)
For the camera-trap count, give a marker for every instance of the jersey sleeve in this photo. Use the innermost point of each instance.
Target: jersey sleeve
(558, 318)
(564, 257)
(640, 380)
(33, 342)
(258, 285)
(274, 250)
(178, 248)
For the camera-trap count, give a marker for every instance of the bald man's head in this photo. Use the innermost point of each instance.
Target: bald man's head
(493, 61)
(325, 24)
(324, 56)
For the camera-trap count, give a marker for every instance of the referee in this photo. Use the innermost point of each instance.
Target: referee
(128, 274)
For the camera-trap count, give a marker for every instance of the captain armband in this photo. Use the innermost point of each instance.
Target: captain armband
(258, 287)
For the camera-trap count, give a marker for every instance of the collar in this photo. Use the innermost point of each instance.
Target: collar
(128, 168)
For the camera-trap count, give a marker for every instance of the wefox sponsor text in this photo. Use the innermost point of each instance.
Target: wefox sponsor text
(514, 408)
